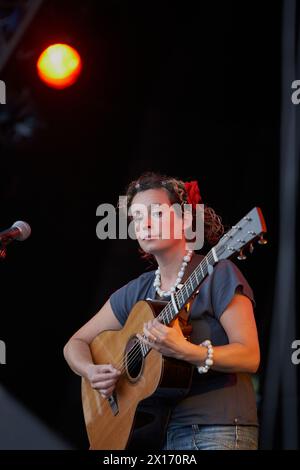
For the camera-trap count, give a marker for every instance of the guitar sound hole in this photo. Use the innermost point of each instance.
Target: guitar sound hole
(134, 360)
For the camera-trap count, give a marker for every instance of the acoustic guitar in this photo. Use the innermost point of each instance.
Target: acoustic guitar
(111, 422)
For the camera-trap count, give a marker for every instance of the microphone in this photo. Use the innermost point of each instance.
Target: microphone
(18, 231)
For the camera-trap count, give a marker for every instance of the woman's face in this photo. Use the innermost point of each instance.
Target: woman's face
(156, 224)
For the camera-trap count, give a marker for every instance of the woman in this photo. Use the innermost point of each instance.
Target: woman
(219, 411)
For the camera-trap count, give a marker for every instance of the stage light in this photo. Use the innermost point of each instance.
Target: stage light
(59, 65)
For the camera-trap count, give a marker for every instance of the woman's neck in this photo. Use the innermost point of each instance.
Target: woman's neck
(169, 263)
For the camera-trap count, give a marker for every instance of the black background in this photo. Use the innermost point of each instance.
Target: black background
(186, 88)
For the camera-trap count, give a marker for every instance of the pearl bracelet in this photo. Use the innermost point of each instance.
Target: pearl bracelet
(209, 359)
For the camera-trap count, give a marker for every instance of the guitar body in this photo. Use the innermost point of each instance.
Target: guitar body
(110, 423)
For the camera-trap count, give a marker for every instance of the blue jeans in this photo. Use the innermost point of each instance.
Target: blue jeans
(198, 437)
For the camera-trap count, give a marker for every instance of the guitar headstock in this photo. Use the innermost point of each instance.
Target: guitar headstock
(243, 234)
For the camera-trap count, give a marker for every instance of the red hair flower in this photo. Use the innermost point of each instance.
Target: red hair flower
(193, 193)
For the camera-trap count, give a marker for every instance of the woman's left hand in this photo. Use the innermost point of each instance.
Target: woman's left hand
(169, 341)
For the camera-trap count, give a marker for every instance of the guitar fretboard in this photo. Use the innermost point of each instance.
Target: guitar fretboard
(181, 297)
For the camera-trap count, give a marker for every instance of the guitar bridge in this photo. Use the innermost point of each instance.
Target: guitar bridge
(112, 400)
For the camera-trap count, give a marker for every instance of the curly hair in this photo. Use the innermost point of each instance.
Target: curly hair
(213, 227)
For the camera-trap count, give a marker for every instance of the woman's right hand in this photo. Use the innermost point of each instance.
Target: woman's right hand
(103, 378)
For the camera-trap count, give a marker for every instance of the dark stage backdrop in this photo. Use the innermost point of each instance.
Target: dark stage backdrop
(191, 91)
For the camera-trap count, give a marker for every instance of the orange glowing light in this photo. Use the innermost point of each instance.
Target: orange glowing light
(59, 65)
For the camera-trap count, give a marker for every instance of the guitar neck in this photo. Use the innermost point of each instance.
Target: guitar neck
(181, 297)
(250, 228)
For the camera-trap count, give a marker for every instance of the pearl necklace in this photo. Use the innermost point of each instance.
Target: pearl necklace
(157, 281)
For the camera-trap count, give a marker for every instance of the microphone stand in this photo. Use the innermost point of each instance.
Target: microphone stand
(3, 247)
(2, 251)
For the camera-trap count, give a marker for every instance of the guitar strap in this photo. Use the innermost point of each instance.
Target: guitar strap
(184, 314)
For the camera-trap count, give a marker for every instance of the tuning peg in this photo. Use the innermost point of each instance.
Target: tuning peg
(251, 248)
(241, 256)
(262, 240)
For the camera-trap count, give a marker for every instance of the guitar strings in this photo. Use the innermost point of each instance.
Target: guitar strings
(142, 348)
(137, 349)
